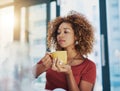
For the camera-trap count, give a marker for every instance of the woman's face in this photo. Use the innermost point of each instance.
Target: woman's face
(65, 35)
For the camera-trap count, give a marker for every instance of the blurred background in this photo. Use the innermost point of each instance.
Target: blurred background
(23, 29)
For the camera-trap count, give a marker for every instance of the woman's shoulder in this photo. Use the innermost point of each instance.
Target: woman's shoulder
(90, 63)
(87, 63)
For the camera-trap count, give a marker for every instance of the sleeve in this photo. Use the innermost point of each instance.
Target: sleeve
(90, 74)
(39, 62)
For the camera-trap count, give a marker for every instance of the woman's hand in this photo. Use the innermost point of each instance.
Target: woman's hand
(47, 61)
(61, 67)
(43, 65)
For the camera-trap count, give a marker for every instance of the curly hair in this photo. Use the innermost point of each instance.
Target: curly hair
(83, 30)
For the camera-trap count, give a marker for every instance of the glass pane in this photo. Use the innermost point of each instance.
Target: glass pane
(37, 31)
(37, 36)
(113, 19)
(91, 11)
(53, 10)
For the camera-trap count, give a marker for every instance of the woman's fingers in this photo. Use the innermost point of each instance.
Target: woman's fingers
(47, 61)
(59, 66)
(54, 67)
(58, 63)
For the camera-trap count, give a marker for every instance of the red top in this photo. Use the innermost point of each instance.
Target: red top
(85, 71)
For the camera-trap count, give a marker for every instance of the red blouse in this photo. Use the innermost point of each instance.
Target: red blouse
(85, 71)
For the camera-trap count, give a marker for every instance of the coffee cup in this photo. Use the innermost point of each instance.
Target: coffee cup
(61, 55)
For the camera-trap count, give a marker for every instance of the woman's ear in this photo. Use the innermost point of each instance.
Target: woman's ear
(76, 38)
(76, 41)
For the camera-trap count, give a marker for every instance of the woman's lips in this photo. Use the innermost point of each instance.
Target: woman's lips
(61, 41)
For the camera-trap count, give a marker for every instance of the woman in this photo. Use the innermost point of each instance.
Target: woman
(75, 35)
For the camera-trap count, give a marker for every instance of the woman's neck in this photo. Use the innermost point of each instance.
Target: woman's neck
(71, 53)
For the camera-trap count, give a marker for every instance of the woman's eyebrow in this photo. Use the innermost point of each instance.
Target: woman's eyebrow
(66, 28)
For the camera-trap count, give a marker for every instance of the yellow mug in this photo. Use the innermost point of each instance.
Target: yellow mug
(61, 55)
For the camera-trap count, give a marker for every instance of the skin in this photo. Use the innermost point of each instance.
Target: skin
(66, 39)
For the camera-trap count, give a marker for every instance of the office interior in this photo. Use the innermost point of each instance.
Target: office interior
(23, 29)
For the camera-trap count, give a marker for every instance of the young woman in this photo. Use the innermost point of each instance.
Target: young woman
(74, 34)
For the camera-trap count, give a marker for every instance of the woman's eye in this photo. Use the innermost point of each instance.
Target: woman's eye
(66, 31)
